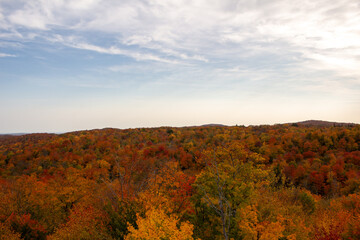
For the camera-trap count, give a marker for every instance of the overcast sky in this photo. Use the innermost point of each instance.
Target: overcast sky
(69, 65)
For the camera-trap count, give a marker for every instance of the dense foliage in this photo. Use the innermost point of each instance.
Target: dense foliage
(257, 182)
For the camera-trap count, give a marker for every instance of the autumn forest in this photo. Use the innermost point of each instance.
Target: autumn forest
(286, 181)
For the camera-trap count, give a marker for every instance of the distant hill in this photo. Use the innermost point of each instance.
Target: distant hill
(13, 134)
(307, 123)
(320, 123)
(12, 138)
(213, 125)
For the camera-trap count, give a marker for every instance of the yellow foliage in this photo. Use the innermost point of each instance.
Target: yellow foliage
(271, 231)
(253, 229)
(158, 226)
(104, 164)
(248, 222)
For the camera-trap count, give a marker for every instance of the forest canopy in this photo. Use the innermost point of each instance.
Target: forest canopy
(290, 181)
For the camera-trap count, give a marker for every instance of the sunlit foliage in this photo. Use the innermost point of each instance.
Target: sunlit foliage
(260, 182)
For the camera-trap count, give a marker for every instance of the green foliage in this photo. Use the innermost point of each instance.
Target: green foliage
(227, 183)
(307, 201)
(120, 216)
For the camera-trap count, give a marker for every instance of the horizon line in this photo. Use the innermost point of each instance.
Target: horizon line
(168, 126)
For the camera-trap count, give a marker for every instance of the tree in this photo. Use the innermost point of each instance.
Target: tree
(85, 222)
(227, 183)
(157, 225)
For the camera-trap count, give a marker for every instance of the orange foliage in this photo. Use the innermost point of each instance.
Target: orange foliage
(53, 184)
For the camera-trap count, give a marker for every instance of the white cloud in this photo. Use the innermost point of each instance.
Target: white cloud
(322, 35)
(117, 51)
(7, 55)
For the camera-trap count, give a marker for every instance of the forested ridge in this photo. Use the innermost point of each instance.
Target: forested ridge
(287, 181)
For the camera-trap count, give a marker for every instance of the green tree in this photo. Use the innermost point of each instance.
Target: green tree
(227, 183)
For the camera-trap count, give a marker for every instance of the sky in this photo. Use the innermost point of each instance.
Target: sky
(70, 65)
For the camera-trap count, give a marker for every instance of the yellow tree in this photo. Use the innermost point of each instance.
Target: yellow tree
(157, 225)
(253, 229)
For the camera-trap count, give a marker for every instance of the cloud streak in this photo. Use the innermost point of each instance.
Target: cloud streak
(7, 55)
(322, 33)
(199, 30)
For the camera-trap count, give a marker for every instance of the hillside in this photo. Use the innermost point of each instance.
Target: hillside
(320, 123)
(288, 181)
